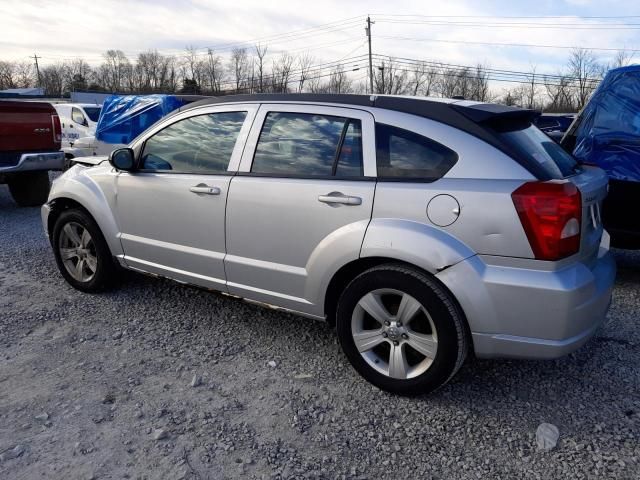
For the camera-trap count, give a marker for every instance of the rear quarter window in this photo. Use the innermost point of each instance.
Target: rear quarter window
(405, 155)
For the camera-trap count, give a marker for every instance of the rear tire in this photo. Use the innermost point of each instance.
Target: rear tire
(401, 330)
(30, 189)
(82, 253)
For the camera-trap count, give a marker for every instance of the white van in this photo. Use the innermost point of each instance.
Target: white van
(78, 120)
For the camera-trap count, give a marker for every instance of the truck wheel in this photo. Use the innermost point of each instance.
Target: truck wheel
(401, 330)
(30, 189)
(82, 253)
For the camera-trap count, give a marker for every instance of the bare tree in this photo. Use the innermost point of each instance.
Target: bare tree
(509, 99)
(24, 74)
(52, 79)
(622, 58)
(305, 63)
(586, 71)
(239, 67)
(214, 71)
(390, 79)
(261, 53)
(531, 90)
(339, 81)
(7, 79)
(113, 69)
(455, 82)
(558, 90)
(480, 84)
(418, 77)
(423, 79)
(281, 72)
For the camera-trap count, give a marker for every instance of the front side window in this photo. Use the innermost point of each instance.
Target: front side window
(201, 144)
(404, 154)
(78, 117)
(303, 144)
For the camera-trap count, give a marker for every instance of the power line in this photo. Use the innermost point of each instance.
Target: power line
(467, 71)
(488, 77)
(323, 29)
(488, 69)
(497, 44)
(568, 17)
(573, 26)
(351, 62)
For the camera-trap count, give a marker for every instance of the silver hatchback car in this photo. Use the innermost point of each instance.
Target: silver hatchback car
(425, 230)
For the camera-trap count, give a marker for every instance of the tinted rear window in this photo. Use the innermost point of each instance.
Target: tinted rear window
(536, 146)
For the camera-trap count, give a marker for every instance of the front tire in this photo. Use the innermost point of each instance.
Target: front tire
(30, 189)
(401, 330)
(82, 253)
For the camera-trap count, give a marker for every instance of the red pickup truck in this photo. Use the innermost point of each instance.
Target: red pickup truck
(30, 136)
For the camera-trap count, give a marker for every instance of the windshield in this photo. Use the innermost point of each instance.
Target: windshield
(92, 112)
(535, 145)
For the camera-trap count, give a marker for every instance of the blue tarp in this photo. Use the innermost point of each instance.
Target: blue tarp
(124, 117)
(609, 132)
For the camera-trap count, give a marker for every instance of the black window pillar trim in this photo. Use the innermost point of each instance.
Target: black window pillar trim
(336, 157)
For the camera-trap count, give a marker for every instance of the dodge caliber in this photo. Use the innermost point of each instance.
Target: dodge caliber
(424, 230)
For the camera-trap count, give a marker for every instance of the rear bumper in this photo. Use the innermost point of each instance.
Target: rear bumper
(526, 313)
(36, 161)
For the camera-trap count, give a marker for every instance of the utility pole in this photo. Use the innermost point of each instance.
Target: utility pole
(211, 72)
(36, 57)
(368, 30)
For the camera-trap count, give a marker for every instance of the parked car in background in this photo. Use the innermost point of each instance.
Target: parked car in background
(78, 120)
(424, 230)
(554, 124)
(30, 136)
(607, 133)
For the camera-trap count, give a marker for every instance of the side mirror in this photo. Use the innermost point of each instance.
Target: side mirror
(122, 159)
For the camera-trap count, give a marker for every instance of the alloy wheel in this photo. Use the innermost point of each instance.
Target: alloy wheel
(78, 252)
(394, 333)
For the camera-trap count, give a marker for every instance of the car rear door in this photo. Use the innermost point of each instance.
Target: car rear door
(300, 203)
(171, 211)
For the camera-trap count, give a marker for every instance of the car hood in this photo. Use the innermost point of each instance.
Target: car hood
(93, 160)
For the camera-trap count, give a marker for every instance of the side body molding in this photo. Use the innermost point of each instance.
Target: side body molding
(416, 243)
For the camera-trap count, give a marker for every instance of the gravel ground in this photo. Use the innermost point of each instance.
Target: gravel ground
(157, 380)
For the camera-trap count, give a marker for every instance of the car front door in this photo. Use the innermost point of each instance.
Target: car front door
(171, 211)
(300, 203)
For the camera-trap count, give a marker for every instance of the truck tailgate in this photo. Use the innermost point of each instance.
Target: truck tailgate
(27, 127)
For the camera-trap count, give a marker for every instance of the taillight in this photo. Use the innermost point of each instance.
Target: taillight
(57, 130)
(551, 215)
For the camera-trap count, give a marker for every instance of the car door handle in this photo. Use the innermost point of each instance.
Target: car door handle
(337, 197)
(205, 189)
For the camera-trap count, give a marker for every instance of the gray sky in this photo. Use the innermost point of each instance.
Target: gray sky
(58, 30)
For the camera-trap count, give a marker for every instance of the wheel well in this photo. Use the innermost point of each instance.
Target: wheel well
(351, 270)
(347, 273)
(58, 206)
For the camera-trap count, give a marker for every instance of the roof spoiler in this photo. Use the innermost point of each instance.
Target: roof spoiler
(489, 113)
